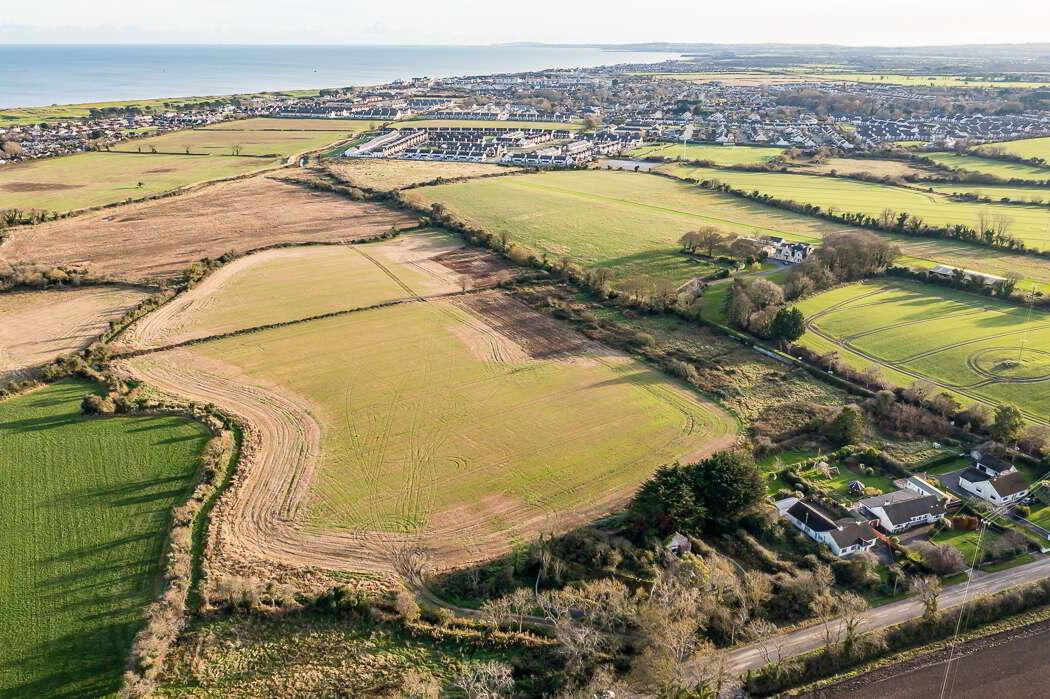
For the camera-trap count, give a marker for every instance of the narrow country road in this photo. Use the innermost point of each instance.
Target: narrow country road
(788, 645)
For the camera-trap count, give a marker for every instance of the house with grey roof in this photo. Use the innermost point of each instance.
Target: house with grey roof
(845, 536)
(902, 509)
(993, 480)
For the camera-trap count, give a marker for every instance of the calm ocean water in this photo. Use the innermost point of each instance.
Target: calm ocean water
(38, 75)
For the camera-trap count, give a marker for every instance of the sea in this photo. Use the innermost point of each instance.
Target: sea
(35, 75)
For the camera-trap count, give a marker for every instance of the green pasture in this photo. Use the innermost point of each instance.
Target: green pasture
(93, 179)
(1035, 195)
(83, 529)
(1025, 148)
(628, 223)
(431, 422)
(976, 347)
(990, 166)
(250, 138)
(1030, 224)
(720, 155)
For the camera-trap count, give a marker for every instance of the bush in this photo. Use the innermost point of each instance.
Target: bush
(406, 606)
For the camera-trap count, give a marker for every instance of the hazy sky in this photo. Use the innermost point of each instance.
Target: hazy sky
(877, 22)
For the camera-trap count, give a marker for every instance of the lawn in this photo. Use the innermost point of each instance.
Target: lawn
(720, 155)
(968, 344)
(85, 516)
(1026, 147)
(384, 174)
(990, 166)
(965, 541)
(1027, 223)
(628, 223)
(92, 179)
(483, 124)
(434, 423)
(252, 138)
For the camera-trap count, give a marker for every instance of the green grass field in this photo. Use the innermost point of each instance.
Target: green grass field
(968, 344)
(433, 422)
(626, 222)
(1039, 195)
(989, 166)
(252, 138)
(720, 155)
(292, 124)
(483, 124)
(86, 510)
(92, 179)
(1030, 224)
(1025, 148)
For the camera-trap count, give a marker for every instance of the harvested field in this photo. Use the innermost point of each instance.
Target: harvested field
(158, 239)
(429, 428)
(282, 124)
(83, 528)
(93, 179)
(481, 124)
(40, 325)
(868, 166)
(384, 174)
(285, 284)
(968, 344)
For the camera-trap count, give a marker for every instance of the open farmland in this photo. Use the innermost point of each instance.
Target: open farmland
(82, 533)
(386, 174)
(804, 74)
(867, 166)
(1039, 195)
(720, 155)
(284, 284)
(40, 325)
(460, 424)
(628, 223)
(85, 180)
(990, 166)
(1025, 148)
(969, 344)
(248, 136)
(160, 238)
(1030, 224)
(344, 126)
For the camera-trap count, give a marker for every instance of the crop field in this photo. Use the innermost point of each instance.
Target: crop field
(1026, 147)
(250, 137)
(482, 124)
(93, 179)
(1030, 224)
(40, 325)
(286, 284)
(626, 222)
(432, 420)
(989, 166)
(386, 174)
(720, 155)
(978, 348)
(160, 238)
(82, 533)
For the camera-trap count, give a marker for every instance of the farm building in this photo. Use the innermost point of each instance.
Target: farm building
(844, 536)
(948, 273)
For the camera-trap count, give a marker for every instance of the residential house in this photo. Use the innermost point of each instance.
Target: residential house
(993, 479)
(902, 509)
(789, 252)
(844, 536)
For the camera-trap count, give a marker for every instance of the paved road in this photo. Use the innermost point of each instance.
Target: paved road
(804, 640)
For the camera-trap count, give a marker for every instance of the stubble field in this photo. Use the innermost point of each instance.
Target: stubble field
(384, 174)
(720, 155)
(158, 239)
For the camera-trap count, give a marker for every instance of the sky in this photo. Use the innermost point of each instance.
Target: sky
(883, 23)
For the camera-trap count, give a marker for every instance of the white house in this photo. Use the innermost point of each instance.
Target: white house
(789, 252)
(844, 536)
(993, 480)
(903, 509)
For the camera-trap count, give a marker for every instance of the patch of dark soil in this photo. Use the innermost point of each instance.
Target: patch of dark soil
(38, 186)
(541, 337)
(483, 267)
(159, 170)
